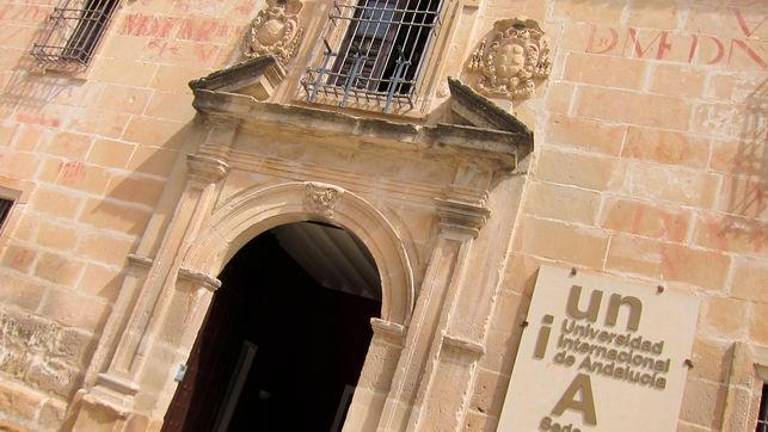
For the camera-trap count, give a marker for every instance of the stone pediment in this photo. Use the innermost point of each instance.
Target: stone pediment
(257, 77)
(475, 127)
(472, 108)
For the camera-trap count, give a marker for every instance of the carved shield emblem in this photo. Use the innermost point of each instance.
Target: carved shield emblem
(276, 30)
(512, 59)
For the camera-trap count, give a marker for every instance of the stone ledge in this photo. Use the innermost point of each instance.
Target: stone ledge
(203, 280)
(257, 77)
(464, 345)
(502, 148)
(387, 327)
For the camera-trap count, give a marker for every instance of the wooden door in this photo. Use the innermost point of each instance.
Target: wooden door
(209, 367)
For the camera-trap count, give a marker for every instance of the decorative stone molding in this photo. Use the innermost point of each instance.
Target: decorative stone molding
(258, 77)
(118, 384)
(276, 30)
(206, 169)
(257, 209)
(512, 59)
(387, 328)
(321, 198)
(748, 372)
(465, 345)
(139, 262)
(115, 409)
(199, 278)
(463, 217)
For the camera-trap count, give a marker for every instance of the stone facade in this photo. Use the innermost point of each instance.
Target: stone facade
(133, 189)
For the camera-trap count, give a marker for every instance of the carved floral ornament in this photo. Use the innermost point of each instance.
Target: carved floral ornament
(276, 30)
(321, 198)
(512, 59)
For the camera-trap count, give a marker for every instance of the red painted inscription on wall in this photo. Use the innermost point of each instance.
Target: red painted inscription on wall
(691, 48)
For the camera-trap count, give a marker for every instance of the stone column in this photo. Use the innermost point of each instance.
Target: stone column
(118, 383)
(106, 408)
(112, 379)
(743, 395)
(174, 334)
(423, 355)
(452, 358)
(376, 377)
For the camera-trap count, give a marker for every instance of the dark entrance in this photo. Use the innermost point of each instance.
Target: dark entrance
(285, 337)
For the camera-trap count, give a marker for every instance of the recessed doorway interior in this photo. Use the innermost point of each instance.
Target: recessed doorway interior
(285, 337)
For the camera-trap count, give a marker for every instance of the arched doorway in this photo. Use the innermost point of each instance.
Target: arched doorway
(285, 337)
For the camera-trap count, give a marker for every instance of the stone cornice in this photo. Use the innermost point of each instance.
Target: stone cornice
(464, 345)
(203, 280)
(483, 111)
(502, 148)
(462, 217)
(206, 169)
(139, 261)
(240, 77)
(389, 328)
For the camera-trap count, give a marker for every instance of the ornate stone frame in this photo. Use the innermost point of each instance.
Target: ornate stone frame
(424, 353)
(749, 370)
(253, 211)
(432, 68)
(18, 191)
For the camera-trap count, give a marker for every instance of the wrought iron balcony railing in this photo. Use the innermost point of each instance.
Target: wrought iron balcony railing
(72, 32)
(372, 54)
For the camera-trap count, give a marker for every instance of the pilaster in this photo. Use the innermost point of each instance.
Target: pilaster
(460, 223)
(115, 370)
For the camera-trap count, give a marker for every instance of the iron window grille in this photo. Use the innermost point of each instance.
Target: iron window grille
(5, 210)
(373, 52)
(762, 416)
(73, 30)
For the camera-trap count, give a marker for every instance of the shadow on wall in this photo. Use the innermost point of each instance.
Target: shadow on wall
(752, 156)
(29, 90)
(749, 190)
(118, 200)
(60, 102)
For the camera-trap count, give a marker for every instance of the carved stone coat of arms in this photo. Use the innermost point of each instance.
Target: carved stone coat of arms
(276, 30)
(512, 59)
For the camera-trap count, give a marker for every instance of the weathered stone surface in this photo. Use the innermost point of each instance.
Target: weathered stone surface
(649, 163)
(42, 353)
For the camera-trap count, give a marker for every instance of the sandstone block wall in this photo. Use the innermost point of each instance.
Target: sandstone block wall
(650, 163)
(92, 152)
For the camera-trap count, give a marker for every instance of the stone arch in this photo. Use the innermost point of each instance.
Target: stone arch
(255, 210)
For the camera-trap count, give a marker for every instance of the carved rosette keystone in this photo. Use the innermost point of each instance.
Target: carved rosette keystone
(276, 30)
(205, 169)
(512, 59)
(321, 198)
(462, 217)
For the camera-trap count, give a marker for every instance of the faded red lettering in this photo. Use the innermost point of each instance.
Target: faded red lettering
(163, 47)
(720, 51)
(664, 46)
(202, 31)
(744, 26)
(39, 119)
(601, 45)
(143, 25)
(71, 172)
(752, 54)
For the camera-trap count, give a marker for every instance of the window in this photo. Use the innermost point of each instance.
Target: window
(373, 52)
(5, 209)
(73, 31)
(762, 416)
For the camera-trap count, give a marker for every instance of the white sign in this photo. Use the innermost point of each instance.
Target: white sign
(600, 354)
